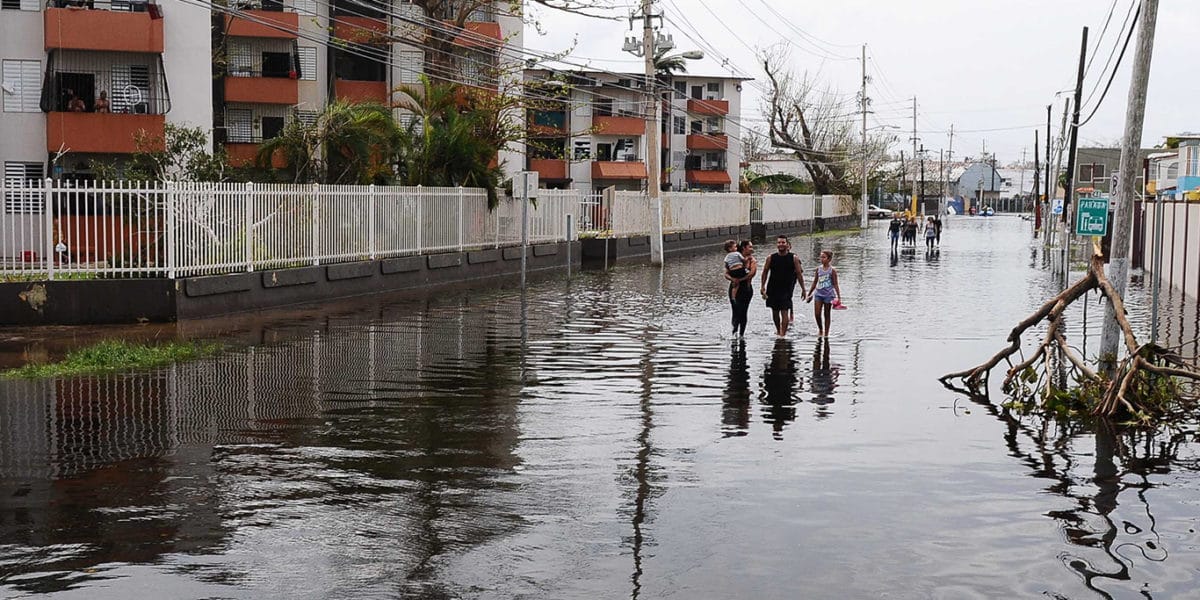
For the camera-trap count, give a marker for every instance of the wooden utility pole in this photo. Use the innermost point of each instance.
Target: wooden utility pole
(653, 146)
(1122, 218)
(862, 222)
(1037, 189)
(914, 154)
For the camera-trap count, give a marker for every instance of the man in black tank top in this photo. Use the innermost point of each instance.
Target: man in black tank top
(781, 272)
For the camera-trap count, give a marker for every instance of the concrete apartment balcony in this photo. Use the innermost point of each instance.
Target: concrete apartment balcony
(707, 177)
(549, 169)
(360, 91)
(612, 125)
(100, 133)
(264, 24)
(480, 34)
(717, 108)
(262, 90)
(707, 141)
(103, 30)
(360, 30)
(625, 170)
(242, 154)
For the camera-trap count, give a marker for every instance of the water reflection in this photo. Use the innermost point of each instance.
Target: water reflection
(780, 388)
(1111, 524)
(824, 377)
(735, 408)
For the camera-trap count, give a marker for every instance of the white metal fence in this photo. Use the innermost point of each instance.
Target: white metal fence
(55, 230)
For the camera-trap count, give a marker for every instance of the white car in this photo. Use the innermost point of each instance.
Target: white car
(875, 212)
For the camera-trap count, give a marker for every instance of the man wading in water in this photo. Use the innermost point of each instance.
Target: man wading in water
(780, 273)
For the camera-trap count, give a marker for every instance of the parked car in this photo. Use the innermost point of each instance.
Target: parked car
(875, 212)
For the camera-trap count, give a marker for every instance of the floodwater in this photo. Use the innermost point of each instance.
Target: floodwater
(600, 436)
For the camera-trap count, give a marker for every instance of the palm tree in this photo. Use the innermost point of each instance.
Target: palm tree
(352, 143)
(448, 142)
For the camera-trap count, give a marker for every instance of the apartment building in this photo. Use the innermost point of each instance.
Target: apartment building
(287, 59)
(591, 135)
(82, 78)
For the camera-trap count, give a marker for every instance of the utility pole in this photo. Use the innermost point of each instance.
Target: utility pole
(1058, 157)
(1045, 204)
(941, 176)
(863, 208)
(1069, 189)
(914, 142)
(992, 187)
(653, 146)
(1037, 170)
(922, 202)
(1135, 113)
(1021, 187)
(903, 171)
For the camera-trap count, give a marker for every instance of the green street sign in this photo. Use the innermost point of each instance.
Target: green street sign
(1091, 217)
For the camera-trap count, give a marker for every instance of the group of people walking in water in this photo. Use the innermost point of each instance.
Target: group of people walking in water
(779, 275)
(906, 230)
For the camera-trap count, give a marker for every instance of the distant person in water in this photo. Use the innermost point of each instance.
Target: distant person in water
(744, 290)
(894, 229)
(937, 222)
(825, 291)
(780, 273)
(930, 233)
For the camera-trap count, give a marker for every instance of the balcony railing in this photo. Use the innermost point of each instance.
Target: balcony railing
(128, 89)
(257, 87)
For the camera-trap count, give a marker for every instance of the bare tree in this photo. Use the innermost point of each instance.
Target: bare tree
(818, 127)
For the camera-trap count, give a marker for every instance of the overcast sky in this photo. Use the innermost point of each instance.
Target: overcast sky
(983, 64)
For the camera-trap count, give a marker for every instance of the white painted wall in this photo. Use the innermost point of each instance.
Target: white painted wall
(22, 135)
(187, 61)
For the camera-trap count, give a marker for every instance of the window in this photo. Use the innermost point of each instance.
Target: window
(714, 89)
(697, 92)
(583, 150)
(25, 175)
(307, 117)
(681, 89)
(131, 89)
(306, 7)
(22, 85)
(680, 126)
(308, 63)
(239, 122)
(697, 127)
(277, 64)
(410, 63)
(714, 124)
(31, 5)
(604, 107)
(271, 127)
(1098, 172)
(604, 152)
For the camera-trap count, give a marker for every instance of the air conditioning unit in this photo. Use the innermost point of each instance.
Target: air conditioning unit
(629, 157)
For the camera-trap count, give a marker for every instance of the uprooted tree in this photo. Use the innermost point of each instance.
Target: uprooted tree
(1151, 382)
(816, 125)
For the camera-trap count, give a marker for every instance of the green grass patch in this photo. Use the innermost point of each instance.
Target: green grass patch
(112, 356)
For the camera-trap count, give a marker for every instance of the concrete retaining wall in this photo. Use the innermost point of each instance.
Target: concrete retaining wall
(164, 300)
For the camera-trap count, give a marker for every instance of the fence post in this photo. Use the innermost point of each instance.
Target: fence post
(316, 225)
(248, 214)
(420, 223)
(460, 218)
(496, 214)
(371, 220)
(48, 222)
(169, 195)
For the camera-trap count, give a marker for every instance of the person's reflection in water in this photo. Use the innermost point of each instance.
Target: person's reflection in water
(824, 377)
(895, 258)
(780, 388)
(735, 407)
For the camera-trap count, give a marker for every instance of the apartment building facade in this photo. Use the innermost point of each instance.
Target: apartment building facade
(593, 136)
(82, 79)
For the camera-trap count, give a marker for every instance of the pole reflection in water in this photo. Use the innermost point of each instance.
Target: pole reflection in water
(1111, 525)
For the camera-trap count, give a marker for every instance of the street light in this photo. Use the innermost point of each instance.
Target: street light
(651, 44)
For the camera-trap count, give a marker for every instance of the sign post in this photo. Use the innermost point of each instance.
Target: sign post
(1091, 217)
(525, 189)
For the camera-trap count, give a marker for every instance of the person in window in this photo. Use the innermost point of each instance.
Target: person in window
(75, 104)
(102, 105)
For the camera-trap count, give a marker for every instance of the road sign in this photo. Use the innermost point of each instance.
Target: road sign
(1091, 217)
(1057, 208)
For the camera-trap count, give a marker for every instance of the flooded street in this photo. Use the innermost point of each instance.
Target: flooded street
(601, 436)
